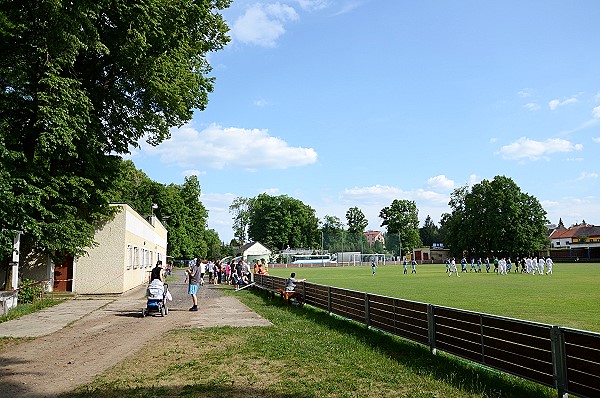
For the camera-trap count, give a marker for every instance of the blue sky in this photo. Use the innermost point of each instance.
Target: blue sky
(357, 103)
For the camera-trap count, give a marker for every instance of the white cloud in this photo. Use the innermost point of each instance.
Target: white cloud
(596, 139)
(374, 190)
(572, 210)
(596, 112)
(271, 191)
(440, 182)
(263, 24)
(473, 179)
(532, 106)
(587, 176)
(493, 140)
(534, 150)
(385, 194)
(311, 5)
(348, 7)
(192, 172)
(219, 147)
(259, 102)
(525, 93)
(555, 103)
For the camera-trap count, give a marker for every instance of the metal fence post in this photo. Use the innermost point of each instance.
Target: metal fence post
(559, 361)
(431, 328)
(367, 316)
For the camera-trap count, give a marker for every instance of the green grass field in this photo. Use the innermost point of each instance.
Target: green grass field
(570, 297)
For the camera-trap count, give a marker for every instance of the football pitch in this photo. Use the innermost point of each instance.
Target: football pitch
(570, 297)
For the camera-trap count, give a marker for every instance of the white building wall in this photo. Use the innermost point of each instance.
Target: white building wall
(128, 247)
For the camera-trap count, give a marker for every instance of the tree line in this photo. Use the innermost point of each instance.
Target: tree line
(490, 218)
(80, 84)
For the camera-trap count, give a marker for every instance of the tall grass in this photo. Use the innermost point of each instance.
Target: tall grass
(568, 298)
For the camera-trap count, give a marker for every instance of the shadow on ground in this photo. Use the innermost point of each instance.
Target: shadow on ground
(196, 390)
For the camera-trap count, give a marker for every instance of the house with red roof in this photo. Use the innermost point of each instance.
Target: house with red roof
(562, 238)
(374, 236)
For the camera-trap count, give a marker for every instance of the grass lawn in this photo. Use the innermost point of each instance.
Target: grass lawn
(306, 353)
(568, 298)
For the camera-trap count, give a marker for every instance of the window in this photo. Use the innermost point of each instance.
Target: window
(129, 256)
(136, 257)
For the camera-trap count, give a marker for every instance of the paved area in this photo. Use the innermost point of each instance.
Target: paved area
(215, 310)
(50, 320)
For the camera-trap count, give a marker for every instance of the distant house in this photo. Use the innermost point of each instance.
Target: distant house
(562, 238)
(374, 236)
(253, 251)
(127, 249)
(430, 254)
(587, 236)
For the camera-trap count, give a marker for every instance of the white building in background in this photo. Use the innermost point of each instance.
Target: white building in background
(253, 251)
(127, 249)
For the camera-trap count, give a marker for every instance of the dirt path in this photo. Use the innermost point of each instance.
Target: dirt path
(50, 365)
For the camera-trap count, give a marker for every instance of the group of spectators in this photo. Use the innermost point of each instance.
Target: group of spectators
(503, 265)
(234, 272)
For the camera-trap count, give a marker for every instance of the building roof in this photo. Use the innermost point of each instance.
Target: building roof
(248, 245)
(566, 233)
(588, 231)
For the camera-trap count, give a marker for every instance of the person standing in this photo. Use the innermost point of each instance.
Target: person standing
(463, 265)
(487, 264)
(202, 272)
(549, 264)
(479, 265)
(156, 272)
(405, 265)
(541, 264)
(414, 267)
(193, 277)
(453, 268)
(373, 267)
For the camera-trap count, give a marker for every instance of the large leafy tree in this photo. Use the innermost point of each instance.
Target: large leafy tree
(80, 83)
(357, 222)
(281, 221)
(495, 217)
(429, 232)
(240, 209)
(401, 219)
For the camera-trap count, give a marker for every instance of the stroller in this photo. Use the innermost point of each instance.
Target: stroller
(156, 295)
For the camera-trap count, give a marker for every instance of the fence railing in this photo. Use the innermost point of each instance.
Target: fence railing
(562, 358)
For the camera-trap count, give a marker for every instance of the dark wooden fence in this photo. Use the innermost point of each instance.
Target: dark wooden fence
(558, 357)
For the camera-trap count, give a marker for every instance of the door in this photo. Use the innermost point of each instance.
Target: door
(63, 275)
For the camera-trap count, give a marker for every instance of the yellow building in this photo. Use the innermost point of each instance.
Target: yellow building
(127, 249)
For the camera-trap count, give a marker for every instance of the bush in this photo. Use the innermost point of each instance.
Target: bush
(30, 290)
